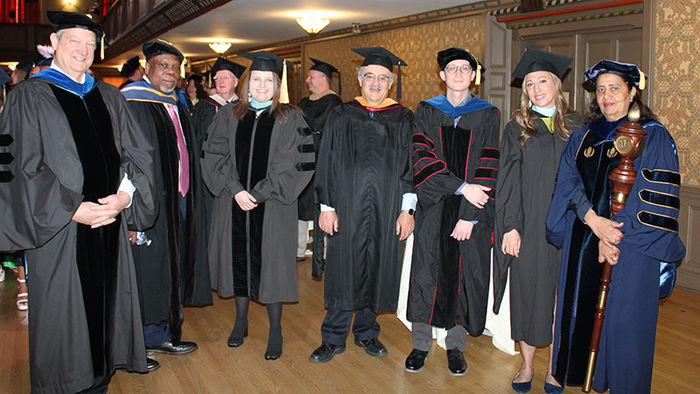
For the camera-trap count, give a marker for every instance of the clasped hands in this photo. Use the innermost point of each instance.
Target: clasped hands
(103, 212)
(609, 235)
(476, 195)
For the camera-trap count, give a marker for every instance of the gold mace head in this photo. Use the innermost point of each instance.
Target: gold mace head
(634, 113)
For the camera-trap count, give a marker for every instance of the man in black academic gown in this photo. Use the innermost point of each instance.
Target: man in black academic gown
(172, 269)
(226, 74)
(74, 169)
(316, 108)
(132, 71)
(455, 148)
(365, 188)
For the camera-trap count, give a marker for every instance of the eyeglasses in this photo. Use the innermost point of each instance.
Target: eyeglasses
(452, 68)
(166, 66)
(223, 78)
(380, 77)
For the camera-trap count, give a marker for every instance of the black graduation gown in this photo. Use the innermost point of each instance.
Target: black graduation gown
(650, 217)
(364, 168)
(524, 190)
(171, 274)
(449, 279)
(252, 253)
(85, 320)
(315, 112)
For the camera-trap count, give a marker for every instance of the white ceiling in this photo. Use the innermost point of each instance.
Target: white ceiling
(253, 23)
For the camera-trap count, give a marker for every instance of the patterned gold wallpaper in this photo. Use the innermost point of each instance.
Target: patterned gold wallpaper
(677, 80)
(416, 45)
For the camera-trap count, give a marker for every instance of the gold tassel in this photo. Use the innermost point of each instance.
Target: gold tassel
(284, 95)
(182, 67)
(642, 80)
(102, 47)
(478, 74)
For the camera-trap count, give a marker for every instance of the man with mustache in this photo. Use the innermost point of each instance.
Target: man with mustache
(364, 183)
(171, 261)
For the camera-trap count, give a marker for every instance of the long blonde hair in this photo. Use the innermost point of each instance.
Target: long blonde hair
(525, 116)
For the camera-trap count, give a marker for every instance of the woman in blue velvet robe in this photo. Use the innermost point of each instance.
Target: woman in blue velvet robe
(636, 240)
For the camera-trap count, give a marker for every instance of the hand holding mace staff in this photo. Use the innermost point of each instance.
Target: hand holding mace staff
(629, 142)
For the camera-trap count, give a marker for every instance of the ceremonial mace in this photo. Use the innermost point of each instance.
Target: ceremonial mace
(629, 142)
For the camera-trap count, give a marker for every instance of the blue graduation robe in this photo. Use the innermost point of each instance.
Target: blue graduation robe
(626, 351)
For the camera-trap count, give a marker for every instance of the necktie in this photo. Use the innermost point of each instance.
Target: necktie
(182, 148)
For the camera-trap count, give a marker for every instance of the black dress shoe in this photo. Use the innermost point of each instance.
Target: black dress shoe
(236, 339)
(325, 352)
(416, 360)
(175, 349)
(456, 362)
(152, 364)
(372, 347)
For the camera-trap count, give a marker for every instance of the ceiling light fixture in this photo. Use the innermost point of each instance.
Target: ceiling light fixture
(313, 24)
(220, 47)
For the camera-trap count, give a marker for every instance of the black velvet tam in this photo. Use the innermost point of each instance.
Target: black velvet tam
(445, 56)
(129, 66)
(160, 47)
(65, 20)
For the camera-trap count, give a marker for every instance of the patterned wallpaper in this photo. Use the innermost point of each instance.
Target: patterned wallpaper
(416, 45)
(677, 80)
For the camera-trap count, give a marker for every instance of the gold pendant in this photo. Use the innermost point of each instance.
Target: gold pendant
(589, 151)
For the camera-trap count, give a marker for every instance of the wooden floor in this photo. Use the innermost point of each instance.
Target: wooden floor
(215, 368)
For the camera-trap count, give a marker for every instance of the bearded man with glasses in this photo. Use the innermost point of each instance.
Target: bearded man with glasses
(455, 150)
(364, 183)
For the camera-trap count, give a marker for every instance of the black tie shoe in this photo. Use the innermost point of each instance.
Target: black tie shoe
(456, 362)
(416, 360)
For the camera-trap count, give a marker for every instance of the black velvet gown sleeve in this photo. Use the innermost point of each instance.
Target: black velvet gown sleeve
(37, 205)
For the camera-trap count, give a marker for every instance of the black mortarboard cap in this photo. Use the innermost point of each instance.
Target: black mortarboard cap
(266, 61)
(129, 66)
(65, 20)
(25, 65)
(224, 64)
(160, 47)
(628, 71)
(383, 57)
(4, 78)
(326, 68)
(445, 56)
(537, 60)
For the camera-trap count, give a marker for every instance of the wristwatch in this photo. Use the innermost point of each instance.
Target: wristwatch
(410, 211)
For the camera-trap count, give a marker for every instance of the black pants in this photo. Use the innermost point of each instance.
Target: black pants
(336, 325)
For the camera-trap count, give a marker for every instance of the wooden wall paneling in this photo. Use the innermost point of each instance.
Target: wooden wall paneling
(689, 221)
(497, 58)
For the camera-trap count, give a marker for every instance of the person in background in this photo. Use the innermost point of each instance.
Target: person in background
(132, 71)
(316, 108)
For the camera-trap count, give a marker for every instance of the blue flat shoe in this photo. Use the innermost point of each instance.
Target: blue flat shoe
(522, 387)
(552, 389)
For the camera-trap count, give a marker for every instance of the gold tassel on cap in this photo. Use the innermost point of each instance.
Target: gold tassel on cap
(284, 95)
(478, 74)
(182, 67)
(102, 47)
(642, 80)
